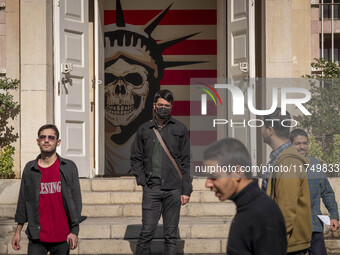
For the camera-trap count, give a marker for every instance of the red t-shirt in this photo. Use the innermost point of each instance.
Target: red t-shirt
(52, 217)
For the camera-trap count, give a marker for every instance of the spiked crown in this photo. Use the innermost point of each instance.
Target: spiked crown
(137, 44)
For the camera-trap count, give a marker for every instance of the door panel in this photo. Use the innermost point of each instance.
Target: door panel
(74, 92)
(241, 67)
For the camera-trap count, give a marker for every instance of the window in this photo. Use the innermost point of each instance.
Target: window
(328, 47)
(327, 9)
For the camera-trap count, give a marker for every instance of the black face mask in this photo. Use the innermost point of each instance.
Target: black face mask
(162, 112)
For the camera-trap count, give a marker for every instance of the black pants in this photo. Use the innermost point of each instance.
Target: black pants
(35, 247)
(155, 203)
(317, 245)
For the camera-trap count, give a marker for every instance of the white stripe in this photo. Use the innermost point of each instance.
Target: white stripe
(207, 32)
(169, 32)
(180, 92)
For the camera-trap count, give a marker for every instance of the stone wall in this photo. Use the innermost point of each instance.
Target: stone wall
(36, 62)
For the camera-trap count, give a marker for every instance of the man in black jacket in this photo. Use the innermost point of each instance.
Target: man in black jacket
(258, 227)
(49, 199)
(165, 188)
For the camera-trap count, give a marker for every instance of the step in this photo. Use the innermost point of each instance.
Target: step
(111, 246)
(129, 228)
(205, 235)
(126, 184)
(121, 197)
(135, 197)
(104, 190)
(119, 236)
(134, 210)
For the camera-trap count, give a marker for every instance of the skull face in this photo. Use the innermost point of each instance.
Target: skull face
(126, 90)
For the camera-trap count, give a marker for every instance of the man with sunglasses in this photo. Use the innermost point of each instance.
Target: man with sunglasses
(166, 184)
(49, 199)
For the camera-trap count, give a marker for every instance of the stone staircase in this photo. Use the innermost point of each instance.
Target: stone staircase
(113, 207)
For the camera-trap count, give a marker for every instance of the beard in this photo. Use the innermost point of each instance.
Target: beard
(48, 150)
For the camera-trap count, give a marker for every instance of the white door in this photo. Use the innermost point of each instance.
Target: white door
(241, 66)
(72, 67)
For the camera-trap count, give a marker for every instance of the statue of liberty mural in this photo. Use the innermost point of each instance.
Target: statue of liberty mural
(133, 69)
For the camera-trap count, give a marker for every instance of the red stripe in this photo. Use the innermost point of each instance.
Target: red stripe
(202, 138)
(193, 47)
(192, 108)
(182, 77)
(172, 17)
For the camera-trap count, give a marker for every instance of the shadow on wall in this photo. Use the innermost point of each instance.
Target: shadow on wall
(157, 246)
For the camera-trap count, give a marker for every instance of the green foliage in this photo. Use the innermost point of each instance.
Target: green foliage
(315, 149)
(6, 162)
(334, 156)
(330, 69)
(328, 155)
(9, 109)
(324, 104)
(6, 98)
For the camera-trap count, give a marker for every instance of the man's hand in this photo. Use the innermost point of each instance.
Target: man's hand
(334, 224)
(73, 240)
(184, 199)
(16, 238)
(16, 241)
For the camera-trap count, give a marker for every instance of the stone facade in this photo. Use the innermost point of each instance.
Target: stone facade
(288, 43)
(36, 64)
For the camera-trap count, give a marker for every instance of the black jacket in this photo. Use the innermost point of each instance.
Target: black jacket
(258, 227)
(28, 202)
(176, 138)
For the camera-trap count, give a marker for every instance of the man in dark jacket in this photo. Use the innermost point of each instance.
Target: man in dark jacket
(49, 199)
(165, 188)
(258, 227)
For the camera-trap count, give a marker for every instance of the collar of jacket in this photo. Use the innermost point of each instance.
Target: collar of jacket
(152, 123)
(36, 167)
(291, 152)
(247, 194)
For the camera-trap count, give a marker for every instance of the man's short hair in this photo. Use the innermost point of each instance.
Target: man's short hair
(280, 130)
(229, 151)
(297, 132)
(49, 126)
(165, 94)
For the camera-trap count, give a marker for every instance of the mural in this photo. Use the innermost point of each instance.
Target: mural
(134, 67)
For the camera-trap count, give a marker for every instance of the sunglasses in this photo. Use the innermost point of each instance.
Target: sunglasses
(51, 138)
